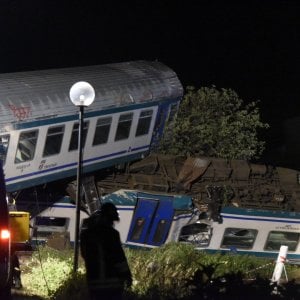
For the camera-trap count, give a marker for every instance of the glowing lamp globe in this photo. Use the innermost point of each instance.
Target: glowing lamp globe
(82, 94)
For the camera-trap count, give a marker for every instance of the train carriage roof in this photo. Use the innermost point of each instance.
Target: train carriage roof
(28, 96)
(129, 197)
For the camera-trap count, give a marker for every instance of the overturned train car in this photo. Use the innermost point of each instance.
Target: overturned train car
(237, 206)
(237, 183)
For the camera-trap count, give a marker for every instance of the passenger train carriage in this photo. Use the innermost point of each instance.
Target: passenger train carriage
(247, 231)
(39, 123)
(150, 220)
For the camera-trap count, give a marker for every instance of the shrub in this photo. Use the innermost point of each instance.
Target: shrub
(173, 271)
(166, 270)
(48, 271)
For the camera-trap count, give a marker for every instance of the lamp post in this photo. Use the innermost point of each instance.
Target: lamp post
(82, 94)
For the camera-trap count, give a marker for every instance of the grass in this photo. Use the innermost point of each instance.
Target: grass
(174, 271)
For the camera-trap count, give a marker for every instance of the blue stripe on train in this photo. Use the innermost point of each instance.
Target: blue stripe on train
(261, 219)
(10, 186)
(250, 212)
(72, 164)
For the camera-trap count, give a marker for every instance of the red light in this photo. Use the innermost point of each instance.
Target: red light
(4, 234)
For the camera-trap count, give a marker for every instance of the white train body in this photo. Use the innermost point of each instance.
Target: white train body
(164, 215)
(150, 220)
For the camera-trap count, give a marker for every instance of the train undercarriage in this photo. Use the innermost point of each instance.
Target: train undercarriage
(236, 183)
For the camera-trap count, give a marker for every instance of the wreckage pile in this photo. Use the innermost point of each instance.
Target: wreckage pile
(239, 182)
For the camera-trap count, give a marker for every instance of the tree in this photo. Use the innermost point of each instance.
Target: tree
(212, 122)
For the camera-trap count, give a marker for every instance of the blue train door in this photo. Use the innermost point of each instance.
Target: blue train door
(161, 223)
(151, 221)
(141, 220)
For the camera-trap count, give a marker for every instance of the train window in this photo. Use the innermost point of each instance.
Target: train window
(278, 238)
(74, 138)
(4, 142)
(53, 140)
(26, 146)
(137, 229)
(45, 227)
(51, 221)
(239, 238)
(124, 126)
(160, 231)
(198, 234)
(102, 131)
(144, 122)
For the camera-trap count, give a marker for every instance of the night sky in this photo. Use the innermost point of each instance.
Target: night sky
(252, 47)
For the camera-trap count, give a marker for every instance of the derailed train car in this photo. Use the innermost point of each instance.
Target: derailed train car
(39, 123)
(236, 205)
(239, 183)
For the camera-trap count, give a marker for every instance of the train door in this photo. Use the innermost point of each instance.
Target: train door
(151, 221)
(161, 223)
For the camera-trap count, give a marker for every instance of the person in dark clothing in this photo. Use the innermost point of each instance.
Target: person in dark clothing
(107, 270)
(16, 272)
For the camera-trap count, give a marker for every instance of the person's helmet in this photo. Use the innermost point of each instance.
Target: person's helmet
(110, 211)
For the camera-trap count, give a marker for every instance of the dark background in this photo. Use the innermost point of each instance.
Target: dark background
(250, 46)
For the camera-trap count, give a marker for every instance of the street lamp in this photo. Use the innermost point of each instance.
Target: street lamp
(82, 94)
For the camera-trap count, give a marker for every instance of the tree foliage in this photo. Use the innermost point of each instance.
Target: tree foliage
(217, 123)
